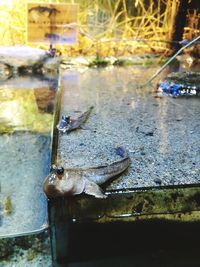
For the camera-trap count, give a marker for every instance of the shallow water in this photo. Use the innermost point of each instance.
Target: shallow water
(26, 121)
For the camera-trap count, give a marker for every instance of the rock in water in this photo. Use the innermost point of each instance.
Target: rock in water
(17, 60)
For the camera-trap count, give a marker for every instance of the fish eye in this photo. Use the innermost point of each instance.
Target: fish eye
(60, 170)
(66, 118)
(53, 168)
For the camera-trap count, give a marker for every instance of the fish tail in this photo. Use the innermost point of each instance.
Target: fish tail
(84, 116)
(102, 174)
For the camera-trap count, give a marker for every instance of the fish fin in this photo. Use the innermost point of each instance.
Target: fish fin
(121, 151)
(84, 127)
(62, 130)
(93, 189)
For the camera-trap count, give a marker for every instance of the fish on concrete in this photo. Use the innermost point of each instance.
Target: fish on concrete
(68, 124)
(69, 182)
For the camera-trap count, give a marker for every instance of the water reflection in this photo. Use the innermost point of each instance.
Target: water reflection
(26, 118)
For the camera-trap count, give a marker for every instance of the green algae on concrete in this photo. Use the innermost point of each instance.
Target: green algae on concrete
(130, 205)
(143, 60)
(8, 209)
(99, 62)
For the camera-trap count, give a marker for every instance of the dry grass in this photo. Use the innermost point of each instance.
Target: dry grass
(106, 27)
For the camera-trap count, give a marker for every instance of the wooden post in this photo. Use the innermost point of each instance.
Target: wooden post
(178, 24)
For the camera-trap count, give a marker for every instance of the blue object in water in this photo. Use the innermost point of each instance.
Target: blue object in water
(180, 84)
(120, 151)
(176, 90)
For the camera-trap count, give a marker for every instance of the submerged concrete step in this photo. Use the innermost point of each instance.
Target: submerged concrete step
(26, 130)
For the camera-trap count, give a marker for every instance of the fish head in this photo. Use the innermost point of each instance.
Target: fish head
(62, 182)
(51, 181)
(64, 124)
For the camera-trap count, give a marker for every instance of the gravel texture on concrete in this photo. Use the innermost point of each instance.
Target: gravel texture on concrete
(160, 133)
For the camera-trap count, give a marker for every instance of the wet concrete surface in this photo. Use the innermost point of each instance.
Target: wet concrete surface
(161, 134)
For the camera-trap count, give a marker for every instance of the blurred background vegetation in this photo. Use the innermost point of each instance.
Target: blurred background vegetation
(108, 27)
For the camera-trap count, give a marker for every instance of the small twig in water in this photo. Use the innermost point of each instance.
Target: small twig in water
(170, 60)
